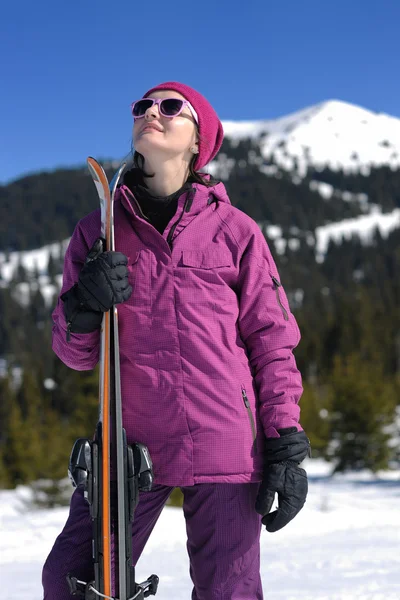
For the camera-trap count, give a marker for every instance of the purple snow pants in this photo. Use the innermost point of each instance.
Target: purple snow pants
(223, 541)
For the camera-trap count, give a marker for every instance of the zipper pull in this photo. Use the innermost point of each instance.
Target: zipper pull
(172, 230)
(278, 285)
(274, 279)
(189, 199)
(245, 398)
(309, 448)
(72, 317)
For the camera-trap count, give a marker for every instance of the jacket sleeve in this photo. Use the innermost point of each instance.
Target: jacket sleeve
(270, 333)
(82, 351)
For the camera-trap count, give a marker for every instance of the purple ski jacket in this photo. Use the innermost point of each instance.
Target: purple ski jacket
(206, 338)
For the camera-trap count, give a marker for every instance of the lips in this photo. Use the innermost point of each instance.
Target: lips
(151, 127)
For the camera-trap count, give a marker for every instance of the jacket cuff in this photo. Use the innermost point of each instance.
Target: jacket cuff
(291, 446)
(79, 319)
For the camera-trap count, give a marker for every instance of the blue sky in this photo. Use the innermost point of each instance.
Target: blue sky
(69, 70)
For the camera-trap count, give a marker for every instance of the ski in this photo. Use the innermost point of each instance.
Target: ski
(111, 471)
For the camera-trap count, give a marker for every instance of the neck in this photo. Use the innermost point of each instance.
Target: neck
(168, 177)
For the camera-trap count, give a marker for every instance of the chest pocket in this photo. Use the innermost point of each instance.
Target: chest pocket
(207, 259)
(203, 276)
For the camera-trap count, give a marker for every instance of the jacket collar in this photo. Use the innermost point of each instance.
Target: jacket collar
(192, 201)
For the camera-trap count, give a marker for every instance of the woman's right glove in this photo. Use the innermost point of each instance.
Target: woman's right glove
(103, 282)
(282, 475)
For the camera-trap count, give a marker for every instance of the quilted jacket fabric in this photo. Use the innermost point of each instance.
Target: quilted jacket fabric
(206, 339)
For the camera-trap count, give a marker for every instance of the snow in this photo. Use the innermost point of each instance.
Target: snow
(30, 259)
(33, 261)
(362, 226)
(49, 384)
(332, 133)
(343, 545)
(325, 190)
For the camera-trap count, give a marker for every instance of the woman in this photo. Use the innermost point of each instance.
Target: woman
(209, 380)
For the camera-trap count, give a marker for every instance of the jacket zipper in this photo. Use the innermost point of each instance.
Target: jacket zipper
(71, 321)
(69, 324)
(276, 288)
(186, 208)
(137, 204)
(250, 414)
(72, 317)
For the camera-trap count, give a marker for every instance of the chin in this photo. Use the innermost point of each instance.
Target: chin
(148, 147)
(146, 143)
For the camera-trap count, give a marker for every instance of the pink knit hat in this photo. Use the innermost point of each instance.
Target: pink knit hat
(210, 127)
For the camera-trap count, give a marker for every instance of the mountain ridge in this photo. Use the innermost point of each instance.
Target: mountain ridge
(332, 133)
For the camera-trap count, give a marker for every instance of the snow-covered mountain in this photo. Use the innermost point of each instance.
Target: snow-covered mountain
(332, 133)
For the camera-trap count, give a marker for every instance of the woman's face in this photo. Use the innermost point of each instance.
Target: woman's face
(173, 137)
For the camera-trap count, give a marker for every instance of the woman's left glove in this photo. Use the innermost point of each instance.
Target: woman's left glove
(283, 476)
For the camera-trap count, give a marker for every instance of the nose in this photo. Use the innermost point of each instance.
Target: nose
(152, 113)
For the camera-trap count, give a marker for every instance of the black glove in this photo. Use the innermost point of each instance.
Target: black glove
(283, 475)
(103, 282)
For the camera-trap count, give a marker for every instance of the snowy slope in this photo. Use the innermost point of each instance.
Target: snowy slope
(332, 133)
(33, 261)
(362, 226)
(343, 545)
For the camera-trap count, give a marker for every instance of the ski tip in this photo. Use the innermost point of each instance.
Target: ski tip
(94, 169)
(93, 162)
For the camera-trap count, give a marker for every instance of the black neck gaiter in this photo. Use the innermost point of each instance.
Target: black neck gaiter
(158, 209)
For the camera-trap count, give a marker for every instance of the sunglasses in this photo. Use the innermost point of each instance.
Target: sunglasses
(168, 107)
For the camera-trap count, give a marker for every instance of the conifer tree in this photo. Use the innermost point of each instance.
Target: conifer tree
(314, 404)
(17, 458)
(363, 404)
